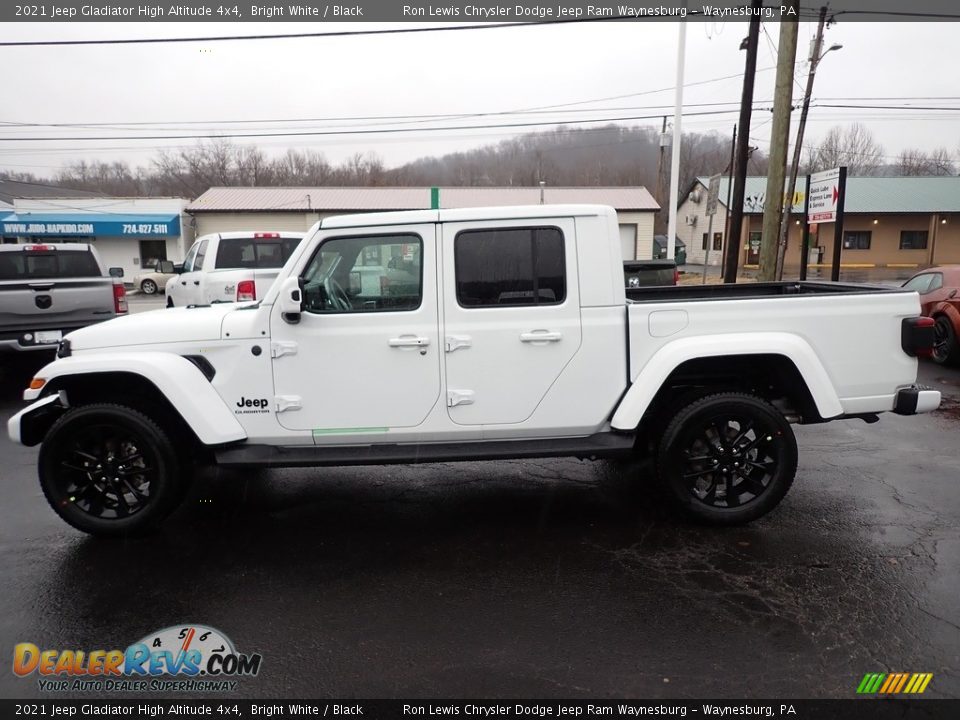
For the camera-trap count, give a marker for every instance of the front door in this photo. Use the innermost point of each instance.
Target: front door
(511, 316)
(189, 292)
(365, 357)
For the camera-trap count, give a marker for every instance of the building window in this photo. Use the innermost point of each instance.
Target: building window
(717, 241)
(858, 240)
(513, 266)
(913, 239)
(704, 246)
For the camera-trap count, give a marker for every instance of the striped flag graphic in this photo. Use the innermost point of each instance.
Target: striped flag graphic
(894, 683)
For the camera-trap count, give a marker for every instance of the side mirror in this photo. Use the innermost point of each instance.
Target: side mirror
(116, 272)
(165, 267)
(291, 299)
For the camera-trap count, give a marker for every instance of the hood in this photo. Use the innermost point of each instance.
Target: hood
(170, 325)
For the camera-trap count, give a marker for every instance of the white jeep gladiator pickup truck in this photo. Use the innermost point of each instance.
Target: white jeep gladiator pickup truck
(230, 267)
(469, 334)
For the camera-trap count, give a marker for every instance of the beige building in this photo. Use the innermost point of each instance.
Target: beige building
(889, 222)
(221, 209)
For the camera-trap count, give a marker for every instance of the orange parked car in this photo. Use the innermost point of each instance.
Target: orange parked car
(939, 289)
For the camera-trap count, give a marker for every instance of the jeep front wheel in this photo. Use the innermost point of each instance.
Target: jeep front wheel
(109, 470)
(727, 458)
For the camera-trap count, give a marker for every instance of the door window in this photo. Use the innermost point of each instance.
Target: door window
(373, 273)
(191, 255)
(201, 254)
(511, 266)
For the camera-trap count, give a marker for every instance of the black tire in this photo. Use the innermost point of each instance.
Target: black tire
(148, 287)
(946, 349)
(707, 447)
(83, 450)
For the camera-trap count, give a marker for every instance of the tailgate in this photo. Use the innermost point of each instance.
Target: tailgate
(66, 303)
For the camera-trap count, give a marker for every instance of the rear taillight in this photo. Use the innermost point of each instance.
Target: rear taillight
(119, 299)
(246, 290)
(916, 336)
(266, 235)
(38, 248)
(676, 276)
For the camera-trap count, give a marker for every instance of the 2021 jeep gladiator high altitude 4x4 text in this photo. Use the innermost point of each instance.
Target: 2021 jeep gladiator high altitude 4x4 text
(469, 334)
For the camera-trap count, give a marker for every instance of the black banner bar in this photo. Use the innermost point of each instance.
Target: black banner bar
(874, 708)
(455, 11)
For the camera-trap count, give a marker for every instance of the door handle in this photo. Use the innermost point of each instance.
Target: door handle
(196, 282)
(183, 282)
(541, 336)
(408, 341)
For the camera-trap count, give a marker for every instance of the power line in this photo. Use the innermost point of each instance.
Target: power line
(349, 132)
(295, 36)
(531, 110)
(366, 130)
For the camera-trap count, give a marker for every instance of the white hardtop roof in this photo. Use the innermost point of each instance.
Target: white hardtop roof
(506, 212)
(244, 234)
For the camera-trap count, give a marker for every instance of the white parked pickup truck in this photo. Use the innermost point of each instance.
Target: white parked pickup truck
(471, 334)
(230, 267)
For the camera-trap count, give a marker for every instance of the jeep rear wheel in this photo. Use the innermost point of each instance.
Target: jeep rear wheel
(727, 458)
(109, 470)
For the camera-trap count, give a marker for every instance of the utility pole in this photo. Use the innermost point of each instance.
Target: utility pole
(662, 142)
(815, 58)
(743, 145)
(726, 211)
(677, 137)
(779, 139)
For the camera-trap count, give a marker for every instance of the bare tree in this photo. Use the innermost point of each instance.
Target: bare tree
(854, 147)
(942, 163)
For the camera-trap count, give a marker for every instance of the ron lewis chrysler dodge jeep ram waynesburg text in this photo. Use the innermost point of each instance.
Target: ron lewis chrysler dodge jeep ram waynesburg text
(469, 334)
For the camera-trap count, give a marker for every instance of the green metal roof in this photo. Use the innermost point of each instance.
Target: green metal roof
(871, 195)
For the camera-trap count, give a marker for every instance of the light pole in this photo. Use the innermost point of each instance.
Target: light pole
(815, 57)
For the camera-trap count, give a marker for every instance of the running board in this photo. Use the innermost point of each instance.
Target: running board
(594, 446)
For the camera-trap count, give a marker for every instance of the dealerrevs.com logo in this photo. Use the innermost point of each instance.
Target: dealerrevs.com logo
(185, 657)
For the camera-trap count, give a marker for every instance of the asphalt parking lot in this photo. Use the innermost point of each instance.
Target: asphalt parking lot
(553, 578)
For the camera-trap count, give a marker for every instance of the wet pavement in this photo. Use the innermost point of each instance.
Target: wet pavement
(552, 578)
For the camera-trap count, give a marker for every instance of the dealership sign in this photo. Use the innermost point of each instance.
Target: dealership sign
(824, 193)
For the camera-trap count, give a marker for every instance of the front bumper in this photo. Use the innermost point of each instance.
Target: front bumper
(916, 399)
(29, 425)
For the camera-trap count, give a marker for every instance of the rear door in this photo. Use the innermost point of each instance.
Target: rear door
(511, 316)
(45, 290)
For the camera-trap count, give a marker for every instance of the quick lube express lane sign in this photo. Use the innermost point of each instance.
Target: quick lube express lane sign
(824, 193)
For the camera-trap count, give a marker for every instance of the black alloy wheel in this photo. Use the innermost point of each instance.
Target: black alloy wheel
(108, 470)
(728, 458)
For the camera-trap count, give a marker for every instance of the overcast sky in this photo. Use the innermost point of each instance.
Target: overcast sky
(459, 72)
